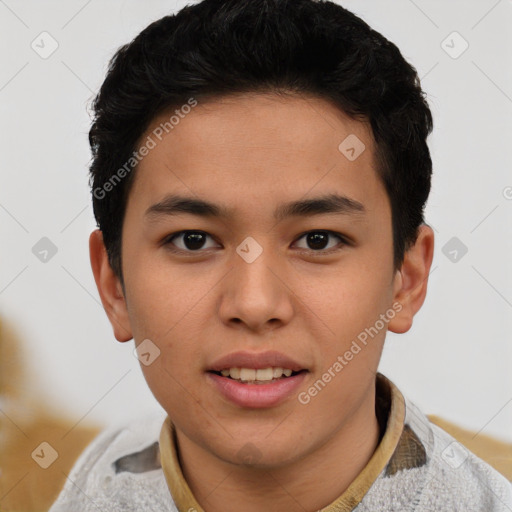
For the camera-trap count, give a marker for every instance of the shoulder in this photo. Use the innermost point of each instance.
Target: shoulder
(429, 470)
(436, 472)
(472, 483)
(119, 469)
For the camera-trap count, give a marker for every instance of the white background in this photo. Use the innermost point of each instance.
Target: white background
(456, 360)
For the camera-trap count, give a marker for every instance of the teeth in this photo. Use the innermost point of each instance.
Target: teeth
(247, 374)
(260, 375)
(277, 372)
(266, 374)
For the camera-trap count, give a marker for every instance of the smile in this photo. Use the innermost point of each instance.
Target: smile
(256, 376)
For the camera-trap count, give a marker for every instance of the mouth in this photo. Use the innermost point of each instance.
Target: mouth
(248, 392)
(256, 380)
(257, 376)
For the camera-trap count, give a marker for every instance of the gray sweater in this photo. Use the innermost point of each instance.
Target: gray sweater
(429, 471)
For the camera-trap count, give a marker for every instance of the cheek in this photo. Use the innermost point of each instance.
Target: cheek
(161, 297)
(351, 304)
(349, 297)
(172, 376)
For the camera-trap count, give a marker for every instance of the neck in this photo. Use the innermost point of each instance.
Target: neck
(309, 483)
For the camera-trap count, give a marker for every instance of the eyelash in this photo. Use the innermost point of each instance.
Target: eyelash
(343, 242)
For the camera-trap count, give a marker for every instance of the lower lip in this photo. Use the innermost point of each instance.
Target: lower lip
(257, 395)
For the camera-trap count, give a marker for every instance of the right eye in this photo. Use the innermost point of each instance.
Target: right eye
(187, 241)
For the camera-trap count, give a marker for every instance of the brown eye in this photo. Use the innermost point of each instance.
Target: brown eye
(189, 241)
(321, 240)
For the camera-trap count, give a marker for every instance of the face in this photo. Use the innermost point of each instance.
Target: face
(287, 267)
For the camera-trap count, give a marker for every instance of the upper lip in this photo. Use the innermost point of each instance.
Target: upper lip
(255, 360)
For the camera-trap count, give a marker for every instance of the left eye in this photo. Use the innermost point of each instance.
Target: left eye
(192, 241)
(319, 240)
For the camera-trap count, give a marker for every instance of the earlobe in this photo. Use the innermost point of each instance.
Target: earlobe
(410, 285)
(109, 288)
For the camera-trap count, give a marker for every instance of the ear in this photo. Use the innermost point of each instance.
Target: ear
(410, 282)
(109, 288)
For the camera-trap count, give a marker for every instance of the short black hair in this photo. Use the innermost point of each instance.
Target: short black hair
(220, 47)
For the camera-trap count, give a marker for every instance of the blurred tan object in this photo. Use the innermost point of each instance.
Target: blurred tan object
(25, 485)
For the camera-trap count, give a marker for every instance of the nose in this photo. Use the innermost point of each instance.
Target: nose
(256, 294)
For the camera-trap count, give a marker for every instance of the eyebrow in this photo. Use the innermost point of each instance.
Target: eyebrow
(327, 204)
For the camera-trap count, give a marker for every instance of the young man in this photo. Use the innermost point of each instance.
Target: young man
(259, 175)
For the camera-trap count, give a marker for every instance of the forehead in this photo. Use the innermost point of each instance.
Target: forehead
(257, 148)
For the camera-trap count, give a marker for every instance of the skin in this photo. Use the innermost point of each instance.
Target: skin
(251, 153)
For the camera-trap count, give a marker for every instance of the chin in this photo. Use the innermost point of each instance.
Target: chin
(259, 453)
